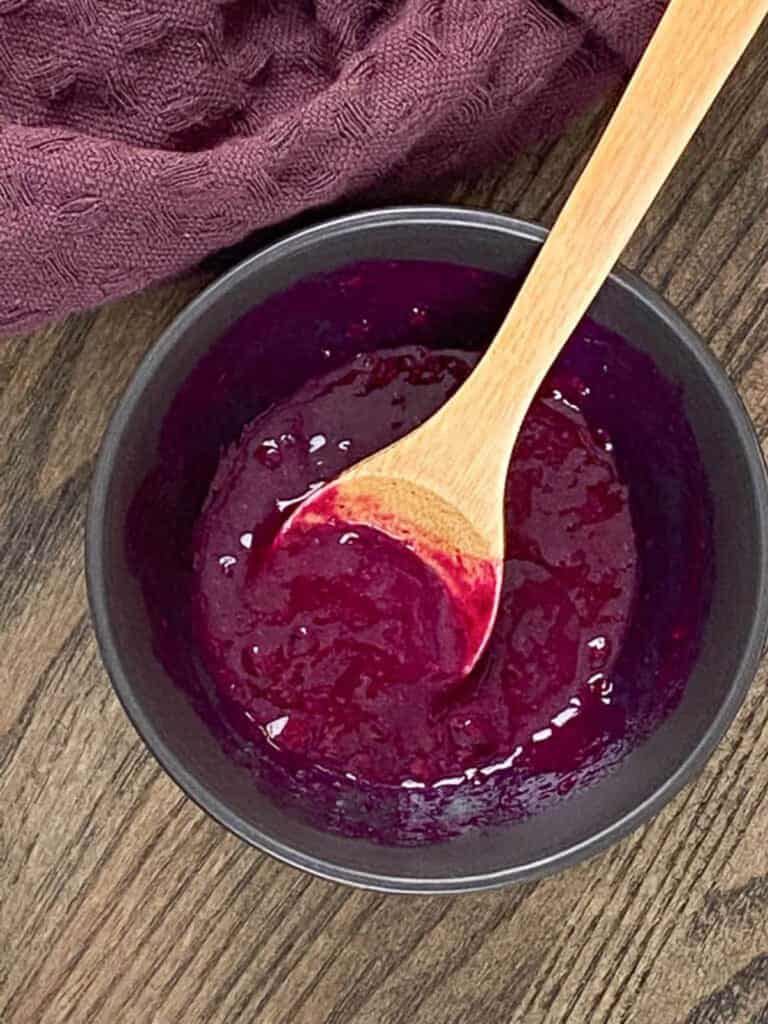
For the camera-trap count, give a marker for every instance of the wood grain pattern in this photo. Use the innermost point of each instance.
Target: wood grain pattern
(121, 902)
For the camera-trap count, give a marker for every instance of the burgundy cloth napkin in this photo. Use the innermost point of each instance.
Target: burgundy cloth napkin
(137, 136)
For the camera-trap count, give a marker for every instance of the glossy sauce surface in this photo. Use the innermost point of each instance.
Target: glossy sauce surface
(607, 585)
(341, 646)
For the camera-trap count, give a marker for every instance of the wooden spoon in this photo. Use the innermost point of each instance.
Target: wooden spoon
(440, 489)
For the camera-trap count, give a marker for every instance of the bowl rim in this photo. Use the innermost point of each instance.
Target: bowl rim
(199, 793)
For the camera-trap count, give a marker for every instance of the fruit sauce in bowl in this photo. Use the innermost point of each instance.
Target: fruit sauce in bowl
(327, 666)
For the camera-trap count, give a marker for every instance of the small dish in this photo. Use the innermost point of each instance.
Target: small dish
(589, 820)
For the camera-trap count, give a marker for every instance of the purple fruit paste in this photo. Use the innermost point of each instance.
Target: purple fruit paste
(322, 684)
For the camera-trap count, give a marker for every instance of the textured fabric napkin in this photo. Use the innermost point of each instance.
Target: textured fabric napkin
(137, 136)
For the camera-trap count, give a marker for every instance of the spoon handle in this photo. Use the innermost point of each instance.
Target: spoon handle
(696, 46)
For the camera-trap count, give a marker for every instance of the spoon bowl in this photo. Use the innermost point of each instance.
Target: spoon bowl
(469, 564)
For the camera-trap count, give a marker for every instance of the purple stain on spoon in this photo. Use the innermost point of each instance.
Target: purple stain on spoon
(341, 701)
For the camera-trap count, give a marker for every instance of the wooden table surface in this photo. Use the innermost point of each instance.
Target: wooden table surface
(120, 901)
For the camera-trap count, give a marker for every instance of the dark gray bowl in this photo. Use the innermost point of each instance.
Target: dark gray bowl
(568, 832)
